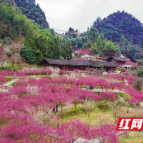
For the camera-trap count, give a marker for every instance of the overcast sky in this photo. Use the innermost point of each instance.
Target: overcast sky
(80, 14)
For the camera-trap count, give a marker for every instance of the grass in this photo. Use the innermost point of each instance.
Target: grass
(92, 119)
(131, 139)
(12, 84)
(39, 75)
(9, 78)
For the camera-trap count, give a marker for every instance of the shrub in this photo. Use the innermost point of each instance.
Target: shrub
(9, 54)
(121, 69)
(133, 68)
(102, 105)
(9, 67)
(126, 96)
(87, 106)
(140, 72)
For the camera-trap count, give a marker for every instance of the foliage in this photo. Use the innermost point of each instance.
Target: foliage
(54, 48)
(67, 51)
(101, 105)
(9, 54)
(118, 24)
(31, 55)
(76, 42)
(133, 68)
(52, 32)
(32, 11)
(87, 45)
(105, 48)
(140, 72)
(124, 29)
(72, 33)
(43, 41)
(92, 35)
(9, 67)
(87, 106)
(13, 23)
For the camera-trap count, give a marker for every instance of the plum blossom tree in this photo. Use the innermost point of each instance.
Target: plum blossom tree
(108, 96)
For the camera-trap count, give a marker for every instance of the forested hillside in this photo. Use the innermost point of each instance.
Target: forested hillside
(124, 29)
(121, 23)
(92, 40)
(38, 43)
(31, 10)
(13, 23)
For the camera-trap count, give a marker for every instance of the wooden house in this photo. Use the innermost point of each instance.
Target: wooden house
(78, 64)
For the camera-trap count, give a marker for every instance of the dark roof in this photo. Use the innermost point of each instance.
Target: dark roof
(58, 62)
(118, 59)
(110, 64)
(103, 63)
(79, 63)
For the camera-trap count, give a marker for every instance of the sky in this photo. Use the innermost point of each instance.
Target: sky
(80, 14)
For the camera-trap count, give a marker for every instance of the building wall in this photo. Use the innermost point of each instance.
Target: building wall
(120, 63)
(112, 69)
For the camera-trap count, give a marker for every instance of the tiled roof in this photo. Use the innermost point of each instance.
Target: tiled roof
(118, 59)
(79, 63)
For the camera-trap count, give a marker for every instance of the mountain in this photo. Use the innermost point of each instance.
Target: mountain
(13, 23)
(121, 24)
(31, 10)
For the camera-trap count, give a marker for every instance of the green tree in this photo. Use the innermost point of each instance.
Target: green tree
(45, 42)
(92, 35)
(13, 23)
(31, 55)
(52, 32)
(57, 48)
(67, 51)
(105, 48)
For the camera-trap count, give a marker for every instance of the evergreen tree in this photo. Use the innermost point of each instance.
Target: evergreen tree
(92, 35)
(67, 51)
(57, 48)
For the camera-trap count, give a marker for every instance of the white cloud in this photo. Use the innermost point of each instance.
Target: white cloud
(80, 14)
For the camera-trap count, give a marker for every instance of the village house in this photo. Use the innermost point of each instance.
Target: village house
(79, 64)
(117, 60)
